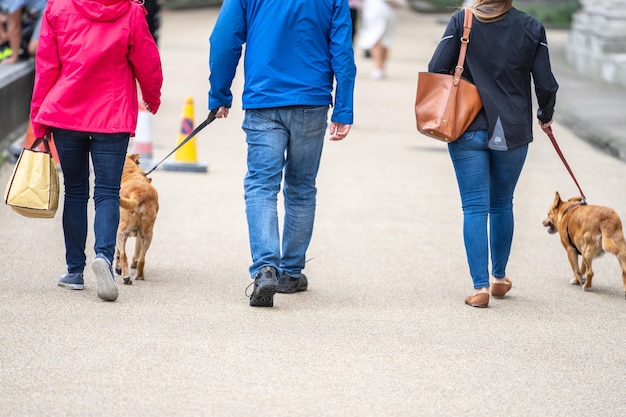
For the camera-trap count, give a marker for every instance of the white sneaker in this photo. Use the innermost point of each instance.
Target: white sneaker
(378, 74)
(107, 290)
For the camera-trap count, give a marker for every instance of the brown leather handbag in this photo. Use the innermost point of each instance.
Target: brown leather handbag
(446, 104)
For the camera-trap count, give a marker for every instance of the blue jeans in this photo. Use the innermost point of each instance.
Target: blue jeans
(289, 141)
(108, 152)
(486, 180)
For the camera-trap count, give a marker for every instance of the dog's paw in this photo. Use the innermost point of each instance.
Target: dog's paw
(127, 281)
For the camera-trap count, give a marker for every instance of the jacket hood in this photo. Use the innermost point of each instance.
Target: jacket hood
(102, 10)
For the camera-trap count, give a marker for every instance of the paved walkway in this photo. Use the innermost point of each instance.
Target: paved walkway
(383, 330)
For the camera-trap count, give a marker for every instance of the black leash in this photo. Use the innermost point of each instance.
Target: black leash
(548, 131)
(201, 126)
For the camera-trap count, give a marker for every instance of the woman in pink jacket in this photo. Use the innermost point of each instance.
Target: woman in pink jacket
(90, 58)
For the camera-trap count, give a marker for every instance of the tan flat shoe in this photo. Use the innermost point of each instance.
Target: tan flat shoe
(480, 300)
(499, 289)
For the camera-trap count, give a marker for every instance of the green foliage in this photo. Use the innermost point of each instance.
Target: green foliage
(552, 14)
(446, 4)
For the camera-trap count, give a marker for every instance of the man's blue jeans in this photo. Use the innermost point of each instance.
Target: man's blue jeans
(486, 180)
(108, 152)
(281, 140)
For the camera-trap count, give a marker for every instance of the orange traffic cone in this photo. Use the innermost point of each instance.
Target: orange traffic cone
(185, 158)
(142, 142)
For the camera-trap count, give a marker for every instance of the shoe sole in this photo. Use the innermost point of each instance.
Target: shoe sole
(263, 296)
(476, 302)
(284, 290)
(71, 286)
(478, 305)
(500, 295)
(107, 290)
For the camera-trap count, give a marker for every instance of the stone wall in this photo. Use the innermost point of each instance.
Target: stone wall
(597, 43)
(16, 89)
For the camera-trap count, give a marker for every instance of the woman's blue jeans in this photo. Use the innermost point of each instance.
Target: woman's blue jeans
(289, 141)
(108, 152)
(486, 180)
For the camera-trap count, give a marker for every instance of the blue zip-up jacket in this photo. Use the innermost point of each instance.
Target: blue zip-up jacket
(295, 51)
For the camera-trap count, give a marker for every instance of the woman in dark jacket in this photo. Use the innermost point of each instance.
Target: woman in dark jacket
(507, 47)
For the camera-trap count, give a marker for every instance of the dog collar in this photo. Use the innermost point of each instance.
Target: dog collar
(571, 242)
(582, 203)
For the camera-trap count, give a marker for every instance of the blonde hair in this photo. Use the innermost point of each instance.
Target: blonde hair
(490, 10)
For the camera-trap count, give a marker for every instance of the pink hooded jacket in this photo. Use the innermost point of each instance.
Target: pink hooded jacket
(91, 55)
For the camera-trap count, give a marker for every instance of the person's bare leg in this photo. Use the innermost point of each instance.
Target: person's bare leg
(4, 35)
(379, 56)
(32, 48)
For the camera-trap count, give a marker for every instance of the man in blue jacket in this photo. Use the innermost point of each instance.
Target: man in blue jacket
(296, 51)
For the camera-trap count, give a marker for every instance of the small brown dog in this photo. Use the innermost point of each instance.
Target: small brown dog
(588, 231)
(139, 205)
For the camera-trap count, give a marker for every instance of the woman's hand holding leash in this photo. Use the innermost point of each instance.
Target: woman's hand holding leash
(543, 125)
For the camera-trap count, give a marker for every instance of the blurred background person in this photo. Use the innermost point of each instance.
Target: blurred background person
(5, 50)
(23, 25)
(376, 33)
(355, 5)
(153, 7)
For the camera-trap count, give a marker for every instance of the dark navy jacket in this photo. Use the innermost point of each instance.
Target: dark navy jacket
(501, 58)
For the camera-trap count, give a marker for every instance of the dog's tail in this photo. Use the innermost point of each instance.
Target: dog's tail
(617, 246)
(128, 203)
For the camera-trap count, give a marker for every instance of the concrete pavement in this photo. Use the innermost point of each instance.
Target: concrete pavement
(382, 331)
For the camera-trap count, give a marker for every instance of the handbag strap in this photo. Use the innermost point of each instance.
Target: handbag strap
(36, 142)
(467, 28)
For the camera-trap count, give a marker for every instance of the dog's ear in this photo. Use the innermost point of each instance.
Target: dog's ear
(557, 199)
(135, 158)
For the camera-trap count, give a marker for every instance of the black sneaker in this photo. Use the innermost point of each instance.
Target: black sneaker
(264, 288)
(288, 284)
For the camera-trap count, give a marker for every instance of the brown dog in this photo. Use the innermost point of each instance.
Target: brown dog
(139, 205)
(588, 231)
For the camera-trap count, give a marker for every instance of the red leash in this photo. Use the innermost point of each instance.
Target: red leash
(548, 131)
